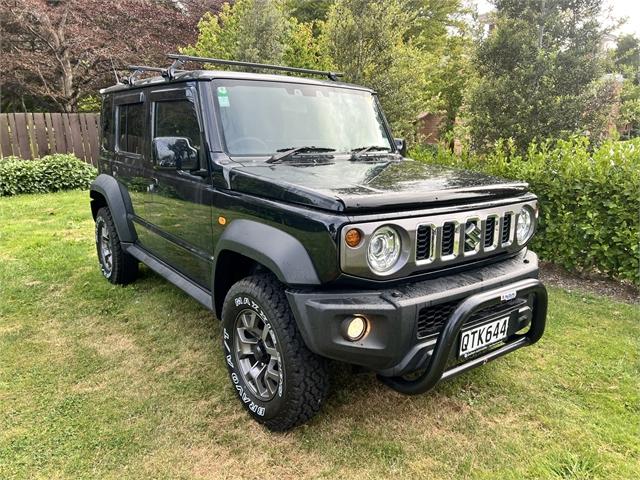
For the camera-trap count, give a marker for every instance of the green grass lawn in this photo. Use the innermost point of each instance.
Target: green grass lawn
(99, 381)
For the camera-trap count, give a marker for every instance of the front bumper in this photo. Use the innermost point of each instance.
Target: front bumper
(394, 347)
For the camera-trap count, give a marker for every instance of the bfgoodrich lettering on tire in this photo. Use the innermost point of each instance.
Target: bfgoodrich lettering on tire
(278, 380)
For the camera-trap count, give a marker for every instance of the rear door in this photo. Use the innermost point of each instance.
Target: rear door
(178, 212)
(130, 158)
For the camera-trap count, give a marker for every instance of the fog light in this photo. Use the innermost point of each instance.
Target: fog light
(354, 328)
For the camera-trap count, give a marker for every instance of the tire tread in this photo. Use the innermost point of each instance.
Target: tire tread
(308, 376)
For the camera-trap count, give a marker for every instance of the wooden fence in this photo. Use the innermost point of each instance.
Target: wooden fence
(33, 135)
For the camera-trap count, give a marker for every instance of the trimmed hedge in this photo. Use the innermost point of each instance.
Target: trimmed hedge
(47, 174)
(589, 199)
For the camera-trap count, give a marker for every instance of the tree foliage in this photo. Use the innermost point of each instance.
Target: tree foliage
(257, 31)
(539, 73)
(366, 40)
(57, 52)
(627, 62)
(402, 49)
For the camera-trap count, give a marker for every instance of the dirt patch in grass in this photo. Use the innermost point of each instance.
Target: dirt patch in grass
(557, 276)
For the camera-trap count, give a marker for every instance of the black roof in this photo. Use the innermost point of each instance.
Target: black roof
(205, 75)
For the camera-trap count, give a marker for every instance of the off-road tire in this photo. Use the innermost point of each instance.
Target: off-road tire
(124, 267)
(303, 384)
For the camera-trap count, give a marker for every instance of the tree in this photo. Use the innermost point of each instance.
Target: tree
(257, 31)
(308, 11)
(376, 43)
(366, 40)
(55, 52)
(628, 53)
(540, 71)
(627, 61)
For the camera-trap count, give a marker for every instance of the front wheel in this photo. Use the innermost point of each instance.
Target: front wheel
(116, 265)
(279, 381)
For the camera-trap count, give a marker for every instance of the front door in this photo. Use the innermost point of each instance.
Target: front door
(178, 209)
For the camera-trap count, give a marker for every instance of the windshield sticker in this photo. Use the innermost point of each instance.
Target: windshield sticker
(223, 97)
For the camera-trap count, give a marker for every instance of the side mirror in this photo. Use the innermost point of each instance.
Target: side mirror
(401, 146)
(175, 153)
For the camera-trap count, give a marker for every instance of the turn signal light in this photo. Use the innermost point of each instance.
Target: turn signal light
(353, 237)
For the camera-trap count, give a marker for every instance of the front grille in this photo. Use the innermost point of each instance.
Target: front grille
(448, 238)
(496, 310)
(431, 320)
(506, 228)
(423, 242)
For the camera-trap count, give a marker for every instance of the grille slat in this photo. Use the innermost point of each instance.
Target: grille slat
(506, 228)
(448, 234)
(423, 242)
(489, 232)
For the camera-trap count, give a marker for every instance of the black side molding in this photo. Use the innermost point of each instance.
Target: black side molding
(173, 276)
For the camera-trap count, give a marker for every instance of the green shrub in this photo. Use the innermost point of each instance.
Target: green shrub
(589, 199)
(47, 174)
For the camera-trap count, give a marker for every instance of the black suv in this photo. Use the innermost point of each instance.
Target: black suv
(284, 205)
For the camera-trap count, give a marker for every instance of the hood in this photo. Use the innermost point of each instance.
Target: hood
(350, 186)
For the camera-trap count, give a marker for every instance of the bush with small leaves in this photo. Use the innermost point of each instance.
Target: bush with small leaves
(46, 174)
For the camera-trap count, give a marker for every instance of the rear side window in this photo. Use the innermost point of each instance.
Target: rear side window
(106, 118)
(177, 118)
(131, 127)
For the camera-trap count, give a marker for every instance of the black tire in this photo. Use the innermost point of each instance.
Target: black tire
(117, 266)
(302, 378)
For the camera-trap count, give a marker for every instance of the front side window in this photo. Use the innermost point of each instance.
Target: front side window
(176, 137)
(131, 127)
(260, 118)
(177, 118)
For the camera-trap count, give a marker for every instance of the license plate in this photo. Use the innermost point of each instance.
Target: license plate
(482, 336)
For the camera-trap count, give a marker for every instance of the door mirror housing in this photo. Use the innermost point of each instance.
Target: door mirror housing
(401, 146)
(175, 153)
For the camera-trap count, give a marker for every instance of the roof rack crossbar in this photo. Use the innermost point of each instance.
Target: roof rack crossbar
(138, 69)
(181, 59)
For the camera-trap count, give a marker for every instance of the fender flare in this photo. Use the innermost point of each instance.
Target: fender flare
(271, 247)
(119, 204)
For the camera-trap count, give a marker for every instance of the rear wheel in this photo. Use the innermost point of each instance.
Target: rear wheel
(279, 381)
(116, 265)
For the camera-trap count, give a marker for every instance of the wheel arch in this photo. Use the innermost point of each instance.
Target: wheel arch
(247, 247)
(106, 191)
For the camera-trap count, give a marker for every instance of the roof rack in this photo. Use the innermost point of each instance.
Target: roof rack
(180, 60)
(138, 69)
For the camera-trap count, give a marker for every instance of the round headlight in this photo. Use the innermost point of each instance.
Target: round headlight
(383, 250)
(525, 225)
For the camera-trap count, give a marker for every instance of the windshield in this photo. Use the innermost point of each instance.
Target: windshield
(261, 118)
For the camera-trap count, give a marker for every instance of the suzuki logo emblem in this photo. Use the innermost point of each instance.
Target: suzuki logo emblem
(472, 235)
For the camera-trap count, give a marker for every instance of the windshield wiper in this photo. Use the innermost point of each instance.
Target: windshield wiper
(286, 153)
(359, 152)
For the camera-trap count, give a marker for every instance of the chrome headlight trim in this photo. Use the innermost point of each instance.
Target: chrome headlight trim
(526, 214)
